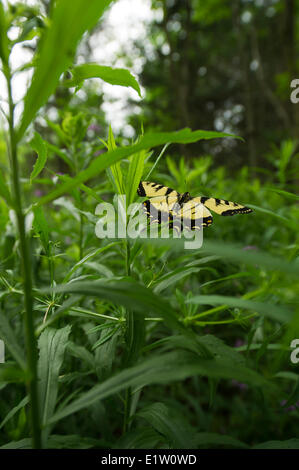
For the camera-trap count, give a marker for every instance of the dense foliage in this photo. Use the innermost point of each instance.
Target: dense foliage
(121, 343)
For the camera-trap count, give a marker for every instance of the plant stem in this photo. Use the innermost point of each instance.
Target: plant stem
(129, 340)
(30, 339)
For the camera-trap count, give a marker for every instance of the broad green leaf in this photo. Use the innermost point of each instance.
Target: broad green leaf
(146, 142)
(56, 50)
(162, 369)
(52, 344)
(114, 76)
(169, 424)
(40, 147)
(281, 314)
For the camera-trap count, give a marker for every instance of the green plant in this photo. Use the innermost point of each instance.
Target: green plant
(135, 343)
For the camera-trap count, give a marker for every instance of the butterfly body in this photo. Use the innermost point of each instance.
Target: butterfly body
(167, 205)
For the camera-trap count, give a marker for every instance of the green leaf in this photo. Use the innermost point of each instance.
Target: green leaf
(81, 353)
(146, 142)
(40, 147)
(258, 258)
(288, 444)
(140, 438)
(4, 50)
(52, 344)
(40, 226)
(72, 441)
(212, 440)
(115, 172)
(286, 194)
(281, 314)
(86, 258)
(7, 334)
(272, 213)
(134, 175)
(126, 292)
(106, 337)
(4, 191)
(110, 75)
(14, 410)
(56, 51)
(22, 444)
(61, 154)
(167, 423)
(163, 368)
(171, 278)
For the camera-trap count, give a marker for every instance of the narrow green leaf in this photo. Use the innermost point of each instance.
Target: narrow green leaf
(4, 50)
(4, 191)
(86, 258)
(146, 142)
(105, 338)
(61, 154)
(258, 258)
(281, 314)
(171, 278)
(212, 440)
(7, 334)
(134, 175)
(114, 172)
(126, 292)
(114, 76)
(40, 147)
(286, 194)
(14, 410)
(56, 50)
(22, 444)
(73, 441)
(40, 226)
(272, 213)
(288, 444)
(163, 368)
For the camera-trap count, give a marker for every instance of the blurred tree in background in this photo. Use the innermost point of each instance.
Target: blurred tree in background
(224, 65)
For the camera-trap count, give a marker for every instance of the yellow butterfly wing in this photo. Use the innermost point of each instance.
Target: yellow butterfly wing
(222, 206)
(195, 215)
(149, 189)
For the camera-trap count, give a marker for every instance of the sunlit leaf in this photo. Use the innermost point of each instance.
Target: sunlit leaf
(114, 76)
